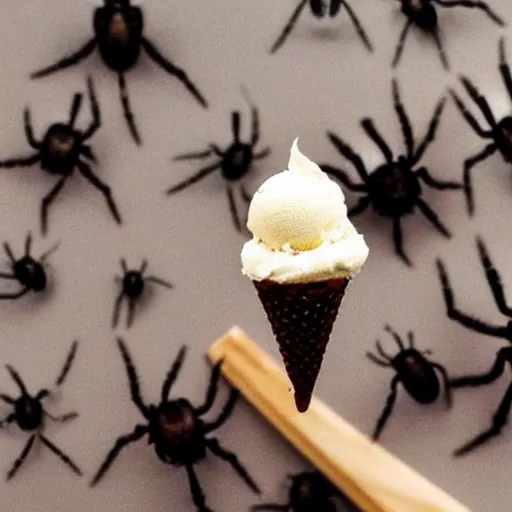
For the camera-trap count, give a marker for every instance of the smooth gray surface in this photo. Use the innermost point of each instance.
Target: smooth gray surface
(322, 78)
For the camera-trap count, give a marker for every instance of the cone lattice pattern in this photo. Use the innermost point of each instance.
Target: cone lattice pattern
(301, 317)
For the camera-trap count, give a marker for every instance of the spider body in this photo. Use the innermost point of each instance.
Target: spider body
(62, 150)
(322, 9)
(234, 162)
(118, 27)
(176, 430)
(423, 14)
(29, 414)
(133, 284)
(29, 272)
(119, 35)
(394, 188)
(499, 131)
(414, 371)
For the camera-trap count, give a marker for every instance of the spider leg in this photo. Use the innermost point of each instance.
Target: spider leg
(87, 152)
(47, 201)
(67, 364)
(271, 506)
(261, 154)
(376, 360)
(95, 111)
(198, 496)
(235, 125)
(64, 418)
(159, 282)
(403, 118)
(361, 205)
(343, 177)
(172, 374)
(423, 173)
(480, 100)
(245, 195)
(233, 209)
(470, 119)
(410, 338)
(17, 378)
(212, 390)
(102, 187)
(22, 457)
(350, 155)
(132, 304)
(455, 314)
(117, 309)
(372, 132)
(468, 166)
(17, 295)
(7, 276)
(29, 131)
(138, 433)
(127, 109)
(20, 162)
(132, 378)
(76, 104)
(60, 454)
(124, 265)
(388, 409)
(431, 132)
(472, 4)
(7, 421)
(446, 381)
(399, 241)
(28, 244)
(493, 278)
(215, 447)
(440, 49)
(49, 252)
(193, 179)
(168, 66)
(192, 156)
(66, 62)
(7, 399)
(499, 420)
(9, 252)
(289, 26)
(504, 68)
(358, 26)
(225, 413)
(400, 45)
(396, 337)
(433, 218)
(383, 354)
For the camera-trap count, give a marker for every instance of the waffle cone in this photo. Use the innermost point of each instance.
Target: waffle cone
(302, 316)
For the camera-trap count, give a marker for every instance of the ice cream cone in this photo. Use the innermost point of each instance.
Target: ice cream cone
(302, 316)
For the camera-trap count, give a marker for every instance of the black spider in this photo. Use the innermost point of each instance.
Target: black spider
(394, 188)
(310, 491)
(416, 373)
(423, 14)
(500, 132)
(176, 429)
(500, 417)
(494, 280)
(132, 287)
(29, 414)
(118, 28)
(234, 162)
(29, 272)
(321, 9)
(62, 149)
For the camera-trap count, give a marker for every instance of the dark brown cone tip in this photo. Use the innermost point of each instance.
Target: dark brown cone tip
(302, 317)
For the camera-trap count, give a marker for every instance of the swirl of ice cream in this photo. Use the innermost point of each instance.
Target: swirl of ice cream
(300, 228)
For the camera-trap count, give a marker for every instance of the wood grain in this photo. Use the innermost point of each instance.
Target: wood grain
(371, 477)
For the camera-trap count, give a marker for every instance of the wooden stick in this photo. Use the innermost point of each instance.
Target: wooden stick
(371, 477)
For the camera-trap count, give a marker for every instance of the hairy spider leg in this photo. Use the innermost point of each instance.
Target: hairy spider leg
(431, 132)
(403, 118)
(432, 217)
(68, 61)
(172, 69)
(358, 26)
(400, 44)
(127, 109)
(197, 492)
(372, 132)
(429, 180)
(388, 409)
(96, 118)
(289, 26)
(462, 318)
(346, 151)
(500, 417)
(172, 375)
(504, 67)
(493, 278)
(105, 190)
(472, 4)
(212, 390)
